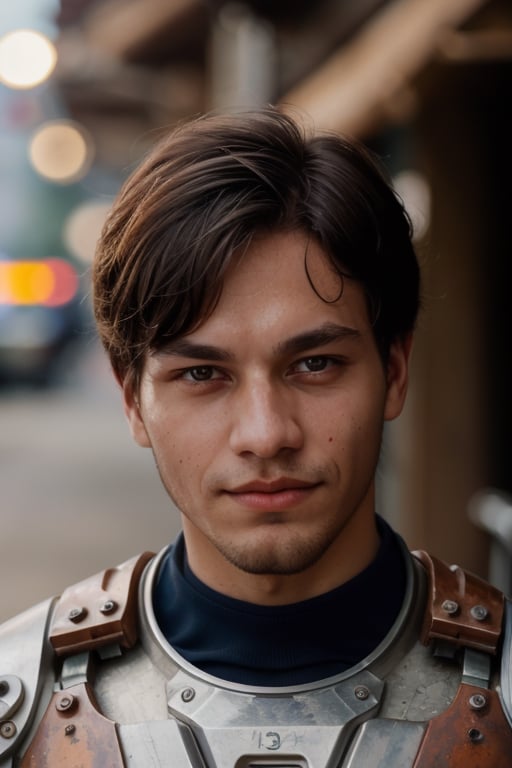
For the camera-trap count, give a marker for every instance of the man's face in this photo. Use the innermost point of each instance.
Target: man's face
(266, 421)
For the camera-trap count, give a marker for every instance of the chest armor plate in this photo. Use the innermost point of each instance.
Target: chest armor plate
(399, 708)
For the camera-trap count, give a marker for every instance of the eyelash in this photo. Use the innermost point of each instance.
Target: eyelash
(187, 374)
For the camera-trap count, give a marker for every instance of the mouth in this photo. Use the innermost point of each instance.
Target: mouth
(278, 494)
(272, 486)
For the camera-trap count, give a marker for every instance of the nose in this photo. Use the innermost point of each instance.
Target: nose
(265, 421)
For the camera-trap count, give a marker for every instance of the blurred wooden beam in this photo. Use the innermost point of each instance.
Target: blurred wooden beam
(369, 77)
(128, 29)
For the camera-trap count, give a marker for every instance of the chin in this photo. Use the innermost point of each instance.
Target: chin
(275, 558)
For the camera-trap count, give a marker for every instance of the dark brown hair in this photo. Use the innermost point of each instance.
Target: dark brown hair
(194, 204)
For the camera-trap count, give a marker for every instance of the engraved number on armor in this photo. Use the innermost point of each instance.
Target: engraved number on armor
(270, 740)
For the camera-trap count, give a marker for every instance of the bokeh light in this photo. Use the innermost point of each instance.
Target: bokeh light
(49, 283)
(61, 151)
(414, 190)
(27, 58)
(83, 227)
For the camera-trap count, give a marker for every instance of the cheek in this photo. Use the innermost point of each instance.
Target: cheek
(182, 461)
(358, 430)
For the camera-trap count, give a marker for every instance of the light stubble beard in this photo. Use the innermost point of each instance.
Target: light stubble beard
(274, 557)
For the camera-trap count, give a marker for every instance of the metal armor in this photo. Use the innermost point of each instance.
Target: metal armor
(88, 680)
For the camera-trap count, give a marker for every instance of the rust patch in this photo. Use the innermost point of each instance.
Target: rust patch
(462, 608)
(99, 610)
(468, 737)
(74, 733)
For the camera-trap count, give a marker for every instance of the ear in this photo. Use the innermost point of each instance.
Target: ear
(397, 376)
(134, 417)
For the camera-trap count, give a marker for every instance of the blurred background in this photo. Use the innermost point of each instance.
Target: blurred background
(87, 87)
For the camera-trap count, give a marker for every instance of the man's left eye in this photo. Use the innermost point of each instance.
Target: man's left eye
(314, 364)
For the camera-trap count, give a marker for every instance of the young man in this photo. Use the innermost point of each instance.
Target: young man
(256, 290)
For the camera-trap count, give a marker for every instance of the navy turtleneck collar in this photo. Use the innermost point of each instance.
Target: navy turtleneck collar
(279, 645)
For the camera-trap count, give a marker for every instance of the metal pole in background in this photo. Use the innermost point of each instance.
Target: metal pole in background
(243, 59)
(491, 510)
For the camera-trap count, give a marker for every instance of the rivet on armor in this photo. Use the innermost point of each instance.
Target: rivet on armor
(7, 729)
(69, 729)
(450, 607)
(4, 687)
(77, 614)
(477, 701)
(188, 694)
(475, 735)
(109, 606)
(361, 692)
(479, 612)
(66, 703)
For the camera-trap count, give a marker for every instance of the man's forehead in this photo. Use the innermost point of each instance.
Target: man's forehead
(284, 290)
(297, 251)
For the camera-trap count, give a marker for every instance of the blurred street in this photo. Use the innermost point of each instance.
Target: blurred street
(77, 495)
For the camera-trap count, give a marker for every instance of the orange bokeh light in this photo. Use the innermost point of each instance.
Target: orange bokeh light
(49, 283)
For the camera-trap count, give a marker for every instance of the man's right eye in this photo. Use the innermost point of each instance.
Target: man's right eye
(199, 373)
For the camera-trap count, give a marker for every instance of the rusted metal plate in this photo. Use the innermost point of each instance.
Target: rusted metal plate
(74, 733)
(462, 608)
(100, 610)
(472, 733)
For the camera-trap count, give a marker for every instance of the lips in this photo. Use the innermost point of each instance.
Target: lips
(273, 486)
(272, 496)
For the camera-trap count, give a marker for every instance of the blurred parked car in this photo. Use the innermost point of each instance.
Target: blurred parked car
(40, 319)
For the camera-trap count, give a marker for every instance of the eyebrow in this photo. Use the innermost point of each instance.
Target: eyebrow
(185, 348)
(302, 342)
(317, 337)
